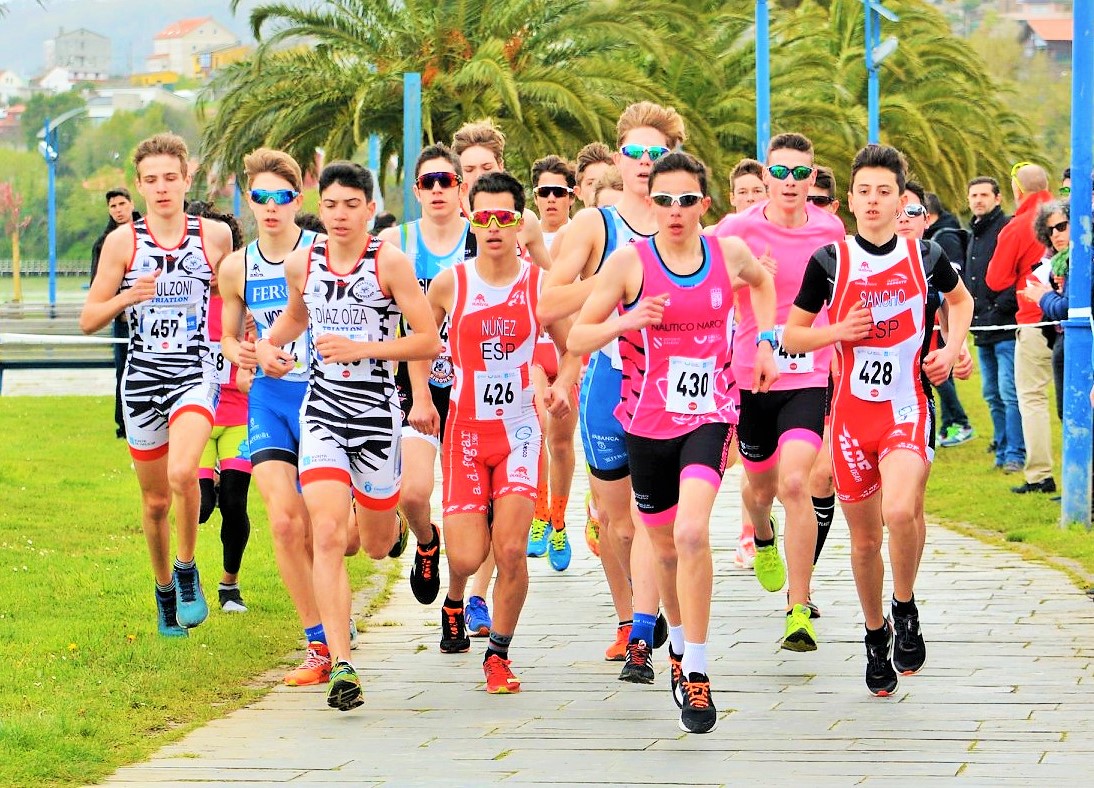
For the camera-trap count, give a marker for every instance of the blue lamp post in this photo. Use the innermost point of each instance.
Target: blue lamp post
(876, 51)
(412, 140)
(763, 80)
(50, 148)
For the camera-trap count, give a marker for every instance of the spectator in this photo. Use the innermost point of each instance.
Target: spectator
(1051, 228)
(119, 204)
(1016, 261)
(993, 308)
(309, 221)
(382, 222)
(1065, 183)
(945, 230)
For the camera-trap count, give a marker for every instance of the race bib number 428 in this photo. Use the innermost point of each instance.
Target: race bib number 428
(875, 374)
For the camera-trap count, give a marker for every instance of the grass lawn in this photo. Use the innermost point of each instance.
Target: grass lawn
(87, 684)
(965, 491)
(70, 289)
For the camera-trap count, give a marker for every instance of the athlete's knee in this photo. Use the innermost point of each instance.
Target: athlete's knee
(561, 447)
(414, 498)
(900, 516)
(464, 561)
(762, 489)
(155, 504)
(329, 535)
(691, 534)
(288, 529)
(865, 544)
(794, 485)
(182, 478)
(511, 555)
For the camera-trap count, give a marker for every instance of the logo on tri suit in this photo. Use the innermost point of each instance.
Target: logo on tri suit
(363, 290)
(716, 298)
(523, 433)
(520, 472)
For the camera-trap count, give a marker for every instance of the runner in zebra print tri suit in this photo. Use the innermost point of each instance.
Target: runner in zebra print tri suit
(158, 271)
(349, 290)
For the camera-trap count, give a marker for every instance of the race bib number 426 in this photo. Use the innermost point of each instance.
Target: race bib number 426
(497, 395)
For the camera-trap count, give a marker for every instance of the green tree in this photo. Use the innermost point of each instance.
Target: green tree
(49, 105)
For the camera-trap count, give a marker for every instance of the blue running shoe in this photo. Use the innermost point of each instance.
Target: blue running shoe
(537, 538)
(190, 606)
(478, 617)
(166, 621)
(558, 549)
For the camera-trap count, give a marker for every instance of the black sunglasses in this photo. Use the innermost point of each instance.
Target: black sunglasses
(820, 199)
(553, 191)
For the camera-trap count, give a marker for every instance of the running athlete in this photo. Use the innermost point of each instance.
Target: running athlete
(157, 270)
(679, 396)
(645, 132)
(491, 451)
(348, 290)
(876, 287)
(253, 281)
(553, 181)
(433, 243)
(781, 430)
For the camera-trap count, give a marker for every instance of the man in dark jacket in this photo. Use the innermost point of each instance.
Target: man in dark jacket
(120, 206)
(994, 308)
(945, 230)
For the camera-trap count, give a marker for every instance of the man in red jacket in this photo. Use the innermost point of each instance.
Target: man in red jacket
(1017, 259)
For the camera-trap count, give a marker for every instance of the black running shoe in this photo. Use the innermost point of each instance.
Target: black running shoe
(660, 630)
(425, 573)
(881, 677)
(231, 600)
(402, 537)
(698, 714)
(676, 677)
(638, 669)
(454, 639)
(909, 650)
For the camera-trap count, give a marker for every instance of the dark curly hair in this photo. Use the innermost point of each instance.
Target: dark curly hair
(1040, 221)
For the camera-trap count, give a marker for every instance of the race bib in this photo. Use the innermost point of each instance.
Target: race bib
(221, 365)
(875, 374)
(790, 363)
(497, 395)
(352, 371)
(165, 329)
(691, 385)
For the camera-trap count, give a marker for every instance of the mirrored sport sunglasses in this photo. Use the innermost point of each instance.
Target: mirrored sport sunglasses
(685, 200)
(914, 210)
(557, 192)
(276, 196)
(780, 172)
(1065, 191)
(636, 152)
(500, 216)
(446, 180)
(820, 199)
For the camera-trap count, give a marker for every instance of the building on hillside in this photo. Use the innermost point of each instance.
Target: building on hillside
(56, 80)
(174, 47)
(1023, 9)
(1051, 35)
(104, 102)
(86, 54)
(12, 87)
(209, 62)
(11, 127)
(155, 78)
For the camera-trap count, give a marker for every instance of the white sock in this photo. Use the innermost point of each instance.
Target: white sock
(676, 639)
(695, 659)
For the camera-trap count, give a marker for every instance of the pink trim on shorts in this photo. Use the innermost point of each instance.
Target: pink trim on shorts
(236, 464)
(658, 519)
(803, 435)
(702, 472)
(763, 465)
(206, 473)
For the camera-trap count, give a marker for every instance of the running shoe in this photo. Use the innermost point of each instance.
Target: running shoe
(401, 540)
(956, 435)
(166, 620)
(454, 638)
(190, 606)
(660, 630)
(814, 611)
(425, 573)
(881, 678)
(231, 600)
(592, 527)
(909, 650)
(617, 651)
(698, 714)
(800, 635)
(352, 634)
(478, 617)
(499, 678)
(745, 554)
(315, 669)
(638, 668)
(558, 549)
(344, 691)
(537, 538)
(676, 675)
(769, 567)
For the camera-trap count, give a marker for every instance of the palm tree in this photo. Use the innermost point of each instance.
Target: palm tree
(554, 74)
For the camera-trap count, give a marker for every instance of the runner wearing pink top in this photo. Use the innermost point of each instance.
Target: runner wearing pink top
(780, 431)
(678, 406)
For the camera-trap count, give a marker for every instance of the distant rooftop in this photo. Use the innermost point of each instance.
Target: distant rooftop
(1052, 28)
(182, 27)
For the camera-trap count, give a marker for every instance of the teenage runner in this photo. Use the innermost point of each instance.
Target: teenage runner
(876, 287)
(781, 430)
(679, 395)
(491, 451)
(157, 270)
(348, 290)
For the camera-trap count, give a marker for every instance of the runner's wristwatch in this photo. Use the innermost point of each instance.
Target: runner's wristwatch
(768, 337)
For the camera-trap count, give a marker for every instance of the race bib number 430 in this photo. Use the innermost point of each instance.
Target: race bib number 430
(691, 385)
(497, 395)
(875, 374)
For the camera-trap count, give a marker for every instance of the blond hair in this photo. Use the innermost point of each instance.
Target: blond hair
(647, 114)
(593, 153)
(482, 133)
(610, 179)
(274, 162)
(163, 144)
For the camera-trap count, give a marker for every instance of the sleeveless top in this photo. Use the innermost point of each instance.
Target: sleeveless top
(169, 332)
(677, 375)
(232, 408)
(354, 305)
(617, 233)
(266, 294)
(494, 332)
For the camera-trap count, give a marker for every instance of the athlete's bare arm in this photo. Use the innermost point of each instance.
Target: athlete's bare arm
(557, 396)
(801, 336)
(216, 239)
(563, 292)
(441, 291)
(938, 363)
(104, 302)
(742, 266)
(531, 238)
(232, 316)
(619, 281)
(291, 323)
(389, 234)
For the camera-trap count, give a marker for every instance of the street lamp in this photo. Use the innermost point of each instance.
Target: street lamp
(876, 51)
(50, 148)
(763, 80)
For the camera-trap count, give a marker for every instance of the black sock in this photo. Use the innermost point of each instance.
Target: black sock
(765, 542)
(167, 590)
(905, 608)
(626, 623)
(877, 637)
(183, 565)
(498, 644)
(449, 602)
(825, 509)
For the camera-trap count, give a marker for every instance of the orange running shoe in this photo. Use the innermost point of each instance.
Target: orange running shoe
(617, 651)
(314, 670)
(592, 527)
(499, 679)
